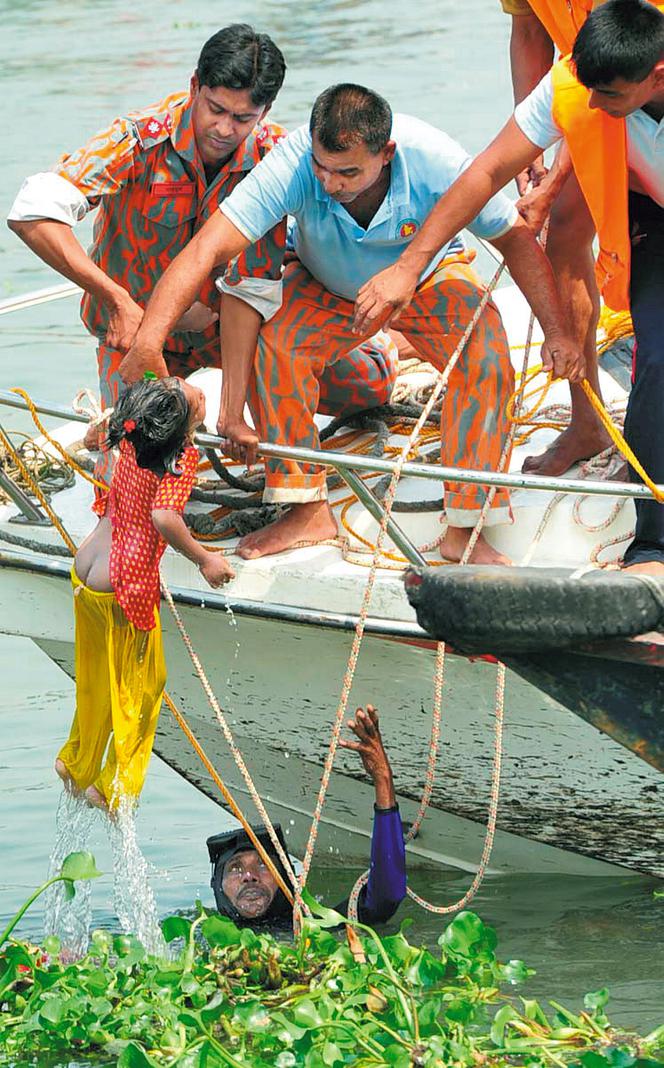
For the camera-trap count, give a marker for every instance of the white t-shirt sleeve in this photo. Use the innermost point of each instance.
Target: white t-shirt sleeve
(49, 196)
(273, 189)
(498, 215)
(534, 115)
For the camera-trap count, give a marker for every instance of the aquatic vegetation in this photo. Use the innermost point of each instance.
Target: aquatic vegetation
(235, 997)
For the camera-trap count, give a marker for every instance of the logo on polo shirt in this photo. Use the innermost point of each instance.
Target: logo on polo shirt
(407, 228)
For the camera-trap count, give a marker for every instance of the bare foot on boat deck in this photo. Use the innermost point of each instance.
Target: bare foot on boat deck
(569, 448)
(453, 546)
(95, 798)
(310, 522)
(650, 567)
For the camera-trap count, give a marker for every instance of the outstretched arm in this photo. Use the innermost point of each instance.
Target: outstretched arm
(384, 297)
(386, 887)
(215, 243)
(214, 567)
(531, 270)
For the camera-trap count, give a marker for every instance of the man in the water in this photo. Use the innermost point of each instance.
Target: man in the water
(246, 891)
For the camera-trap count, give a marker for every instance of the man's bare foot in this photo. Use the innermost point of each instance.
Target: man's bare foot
(309, 522)
(95, 798)
(453, 546)
(649, 567)
(569, 448)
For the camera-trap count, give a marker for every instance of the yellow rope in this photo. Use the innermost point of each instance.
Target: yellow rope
(52, 441)
(228, 797)
(36, 489)
(619, 441)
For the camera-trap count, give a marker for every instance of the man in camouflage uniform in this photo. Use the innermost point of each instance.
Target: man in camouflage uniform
(154, 177)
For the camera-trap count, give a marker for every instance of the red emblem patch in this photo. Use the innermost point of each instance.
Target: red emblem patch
(173, 189)
(408, 227)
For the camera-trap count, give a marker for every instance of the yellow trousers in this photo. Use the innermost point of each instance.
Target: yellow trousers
(120, 680)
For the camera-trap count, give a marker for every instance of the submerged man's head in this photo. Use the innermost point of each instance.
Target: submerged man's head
(619, 55)
(248, 884)
(244, 887)
(350, 131)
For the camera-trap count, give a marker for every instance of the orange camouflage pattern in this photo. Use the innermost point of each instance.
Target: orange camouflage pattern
(144, 175)
(304, 364)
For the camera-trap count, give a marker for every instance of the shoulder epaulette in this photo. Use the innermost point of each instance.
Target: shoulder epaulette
(155, 124)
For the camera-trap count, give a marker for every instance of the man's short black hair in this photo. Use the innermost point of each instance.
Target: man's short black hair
(239, 58)
(621, 39)
(346, 115)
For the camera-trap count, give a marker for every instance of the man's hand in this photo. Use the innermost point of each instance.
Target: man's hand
(216, 570)
(124, 319)
(138, 361)
(531, 176)
(563, 356)
(535, 207)
(197, 318)
(382, 299)
(240, 440)
(372, 753)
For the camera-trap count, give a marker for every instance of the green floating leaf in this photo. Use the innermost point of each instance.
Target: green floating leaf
(80, 866)
(305, 1014)
(69, 890)
(175, 927)
(253, 1016)
(596, 1000)
(134, 1056)
(397, 1056)
(220, 931)
(51, 1012)
(326, 917)
(515, 971)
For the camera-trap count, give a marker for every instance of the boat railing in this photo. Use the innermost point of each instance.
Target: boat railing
(349, 467)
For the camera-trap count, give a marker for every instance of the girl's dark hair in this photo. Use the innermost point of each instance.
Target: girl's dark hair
(154, 417)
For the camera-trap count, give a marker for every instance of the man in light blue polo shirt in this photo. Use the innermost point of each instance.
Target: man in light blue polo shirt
(359, 184)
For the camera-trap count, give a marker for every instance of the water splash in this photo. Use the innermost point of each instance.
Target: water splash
(70, 920)
(232, 622)
(133, 897)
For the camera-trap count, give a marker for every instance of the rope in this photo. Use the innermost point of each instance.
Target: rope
(228, 797)
(619, 441)
(52, 441)
(36, 489)
(177, 714)
(359, 629)
(228, 734)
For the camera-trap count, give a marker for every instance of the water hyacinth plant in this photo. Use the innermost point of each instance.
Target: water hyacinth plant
(232, 997)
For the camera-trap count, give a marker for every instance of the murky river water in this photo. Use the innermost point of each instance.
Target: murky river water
(68, 67)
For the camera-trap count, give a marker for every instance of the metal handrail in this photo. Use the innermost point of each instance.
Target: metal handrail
(39, 296)
(343, 461)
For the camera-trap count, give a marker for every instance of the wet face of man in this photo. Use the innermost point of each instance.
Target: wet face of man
(248, 884)
(222, 119)
(620, 98)
(347, 175)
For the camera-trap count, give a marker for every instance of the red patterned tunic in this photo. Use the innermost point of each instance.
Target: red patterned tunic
(137, 547)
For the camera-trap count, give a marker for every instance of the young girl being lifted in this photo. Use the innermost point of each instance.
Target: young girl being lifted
(120, 669)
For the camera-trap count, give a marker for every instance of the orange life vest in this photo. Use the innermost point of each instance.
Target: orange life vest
(598, 146)
(562, 19)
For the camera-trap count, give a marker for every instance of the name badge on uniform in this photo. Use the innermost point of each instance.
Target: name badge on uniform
(173, 189)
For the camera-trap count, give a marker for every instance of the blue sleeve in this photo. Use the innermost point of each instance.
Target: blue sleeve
(274, 189)
(386, 887)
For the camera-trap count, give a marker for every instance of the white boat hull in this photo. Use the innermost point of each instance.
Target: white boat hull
(572, 800)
